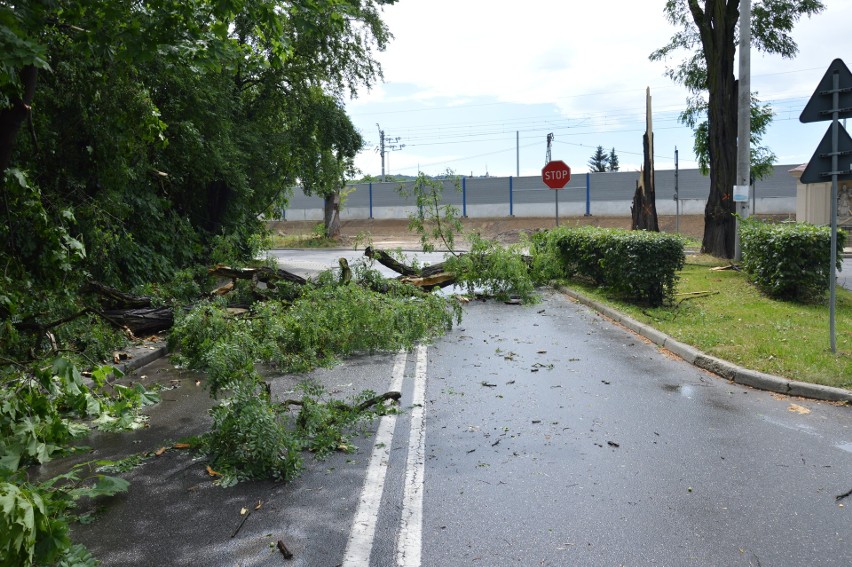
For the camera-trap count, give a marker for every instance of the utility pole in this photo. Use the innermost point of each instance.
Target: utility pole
(517, 153)
(743, 124)
(392, 146)
(547, 159)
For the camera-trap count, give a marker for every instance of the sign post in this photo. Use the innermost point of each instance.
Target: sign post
(832, 100)
(556, 175)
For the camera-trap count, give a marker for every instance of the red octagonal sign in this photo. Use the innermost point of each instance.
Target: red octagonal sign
(556, 174)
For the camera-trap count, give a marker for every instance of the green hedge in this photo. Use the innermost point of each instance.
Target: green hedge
(638, 264)
(789, 260)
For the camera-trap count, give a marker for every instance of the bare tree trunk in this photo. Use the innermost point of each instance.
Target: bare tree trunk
(644, 209)
(331, 209)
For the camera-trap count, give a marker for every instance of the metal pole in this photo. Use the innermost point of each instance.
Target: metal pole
(518, 153)
(511, 206)
(743, 117)
(588, 194)
(556, 198)
(835, 136)
(371, 199)
(677, 196)
(464, 197)
(382, 149)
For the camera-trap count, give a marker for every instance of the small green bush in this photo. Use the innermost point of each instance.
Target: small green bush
(638, 264)
(789, 260)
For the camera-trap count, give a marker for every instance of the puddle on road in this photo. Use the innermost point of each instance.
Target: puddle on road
(685, 390)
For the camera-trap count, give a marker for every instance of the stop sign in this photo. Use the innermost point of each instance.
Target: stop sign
(556, 174)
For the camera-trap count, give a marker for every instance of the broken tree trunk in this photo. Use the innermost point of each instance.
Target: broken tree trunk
(644, 208)
(387, 261)
(428, 277)
(142, 321)
(263, 274)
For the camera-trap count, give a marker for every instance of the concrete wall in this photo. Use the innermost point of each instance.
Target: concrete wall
(599, 194)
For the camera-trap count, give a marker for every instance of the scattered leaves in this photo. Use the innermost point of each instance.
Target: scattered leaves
(796, 408)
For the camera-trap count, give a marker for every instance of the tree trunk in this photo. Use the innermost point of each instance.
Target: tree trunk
(644, 208)
(13, 117)
(717, 26)
(331, 210)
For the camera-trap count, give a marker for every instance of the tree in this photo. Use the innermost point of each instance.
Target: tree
(599, 160)
(708, 30)
(612, 161)
(761, 158)
(177, 122)
(328, 144)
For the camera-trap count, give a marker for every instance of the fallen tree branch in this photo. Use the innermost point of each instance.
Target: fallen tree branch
(365, 405)
(387, 261)
(116, 297)
(284, 551)
(429, 276)
(236, 531)
(263, 274)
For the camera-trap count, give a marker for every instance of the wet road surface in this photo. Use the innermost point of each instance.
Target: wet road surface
(546, 435)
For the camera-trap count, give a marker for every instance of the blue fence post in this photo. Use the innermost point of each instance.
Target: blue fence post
(511, 205)
(464, 197)
(588, 194)
(371, 200)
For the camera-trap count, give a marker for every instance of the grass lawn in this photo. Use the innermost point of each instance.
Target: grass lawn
(283, 241)
(739, 324)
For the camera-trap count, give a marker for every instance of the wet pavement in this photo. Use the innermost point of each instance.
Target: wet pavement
(550, 437)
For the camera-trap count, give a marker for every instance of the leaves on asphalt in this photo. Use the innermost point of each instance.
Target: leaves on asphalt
(796, 408)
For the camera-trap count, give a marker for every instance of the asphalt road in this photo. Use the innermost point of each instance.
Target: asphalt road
(530, 435)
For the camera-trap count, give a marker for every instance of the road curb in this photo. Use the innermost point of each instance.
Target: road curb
(722, 368)
(141, 355)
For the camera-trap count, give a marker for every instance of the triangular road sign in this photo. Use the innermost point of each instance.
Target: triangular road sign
(819, 168)
(819, 107)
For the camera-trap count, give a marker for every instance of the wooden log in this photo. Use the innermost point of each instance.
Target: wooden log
(387, 261)
(263, 274)
(442, 280)
(142, 321)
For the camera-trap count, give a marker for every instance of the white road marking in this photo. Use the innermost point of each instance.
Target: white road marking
(360, 544)
(410, 540)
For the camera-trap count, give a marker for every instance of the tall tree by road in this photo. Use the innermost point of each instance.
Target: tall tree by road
(612, 161)
(708, 31)
(599, 161)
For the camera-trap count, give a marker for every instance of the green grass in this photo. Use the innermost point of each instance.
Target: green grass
(743, 326)
(281, 241)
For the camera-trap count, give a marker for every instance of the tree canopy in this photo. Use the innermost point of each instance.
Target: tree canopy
(139, 136)
(708, 34)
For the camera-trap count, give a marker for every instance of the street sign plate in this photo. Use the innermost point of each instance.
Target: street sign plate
(818, 169)
(556, 174)
(819, 107)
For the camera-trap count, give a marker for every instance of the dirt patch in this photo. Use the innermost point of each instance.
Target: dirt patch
(507, 230)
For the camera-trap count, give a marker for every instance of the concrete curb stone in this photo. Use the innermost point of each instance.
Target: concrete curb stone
(722, 368)
(142, 355)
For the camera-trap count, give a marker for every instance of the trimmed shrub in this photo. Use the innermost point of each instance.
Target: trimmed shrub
(641, 265)
(789, 260)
